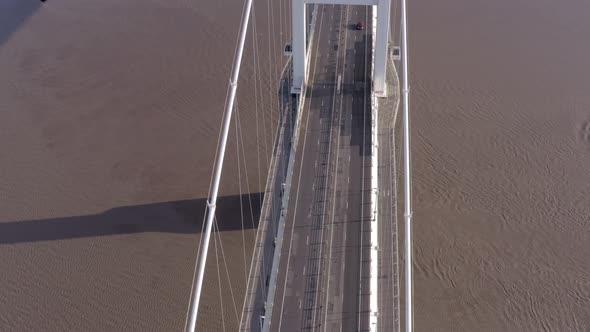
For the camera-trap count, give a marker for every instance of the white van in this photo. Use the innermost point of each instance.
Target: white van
(396, 53)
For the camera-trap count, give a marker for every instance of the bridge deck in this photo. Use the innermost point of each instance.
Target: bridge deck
(324, 270)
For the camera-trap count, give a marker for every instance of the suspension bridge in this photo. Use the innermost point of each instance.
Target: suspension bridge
(326, 251)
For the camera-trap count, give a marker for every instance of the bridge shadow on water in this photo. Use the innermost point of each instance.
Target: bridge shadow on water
(13, 14)
(185, 216)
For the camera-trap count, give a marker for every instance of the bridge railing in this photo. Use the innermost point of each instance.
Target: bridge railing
(253, 313)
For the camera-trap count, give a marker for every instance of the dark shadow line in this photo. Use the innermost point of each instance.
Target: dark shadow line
(13, 13)
(185, 217)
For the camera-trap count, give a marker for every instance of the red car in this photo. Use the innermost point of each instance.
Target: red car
(360, 25)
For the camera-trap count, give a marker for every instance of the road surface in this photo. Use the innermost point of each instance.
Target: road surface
(324, 270)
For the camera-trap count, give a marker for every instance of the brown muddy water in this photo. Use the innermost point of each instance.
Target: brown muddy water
(501, 155)
(109, 115)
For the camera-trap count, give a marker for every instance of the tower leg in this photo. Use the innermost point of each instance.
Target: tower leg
(381, 47)
(299, 60)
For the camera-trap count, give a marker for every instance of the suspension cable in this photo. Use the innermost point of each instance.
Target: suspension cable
(219, 283)
(256, 84)
(264, 128)
(407, 177)
(211, 202)
(240, 195)
(231, 289)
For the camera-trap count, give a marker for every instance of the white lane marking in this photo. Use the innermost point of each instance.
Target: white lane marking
(314, 315)
(299, 180)
(335, 185)
(363, 186)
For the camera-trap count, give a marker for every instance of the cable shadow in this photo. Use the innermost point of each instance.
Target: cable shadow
(185, 216)
(13, 13)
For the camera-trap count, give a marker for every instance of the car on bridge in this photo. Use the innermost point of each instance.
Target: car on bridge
(360, 25)
(396, 53)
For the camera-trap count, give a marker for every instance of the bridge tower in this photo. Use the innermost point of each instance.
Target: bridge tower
(299, 43)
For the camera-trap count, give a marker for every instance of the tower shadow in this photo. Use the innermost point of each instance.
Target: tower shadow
(185, 216)
(13, 13)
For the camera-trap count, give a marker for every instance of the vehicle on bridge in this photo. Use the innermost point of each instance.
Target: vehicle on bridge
(360, 25)
(396, 53)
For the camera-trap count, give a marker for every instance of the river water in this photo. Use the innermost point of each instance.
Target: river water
(501, 148)
(109, 114)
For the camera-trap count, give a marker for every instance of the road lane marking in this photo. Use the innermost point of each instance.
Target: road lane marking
(317, 280)
(335, 182)
(299, 180)
(363, 186)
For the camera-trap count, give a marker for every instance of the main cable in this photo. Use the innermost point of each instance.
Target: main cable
(212, 200)
(407, 174)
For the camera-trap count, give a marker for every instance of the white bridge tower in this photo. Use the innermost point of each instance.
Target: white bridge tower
(300, 60)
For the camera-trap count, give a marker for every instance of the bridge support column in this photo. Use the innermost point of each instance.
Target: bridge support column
(299, 45)
(381, 47)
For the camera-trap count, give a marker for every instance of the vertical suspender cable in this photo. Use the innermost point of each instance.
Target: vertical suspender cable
(233, 85)
(407, 175)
